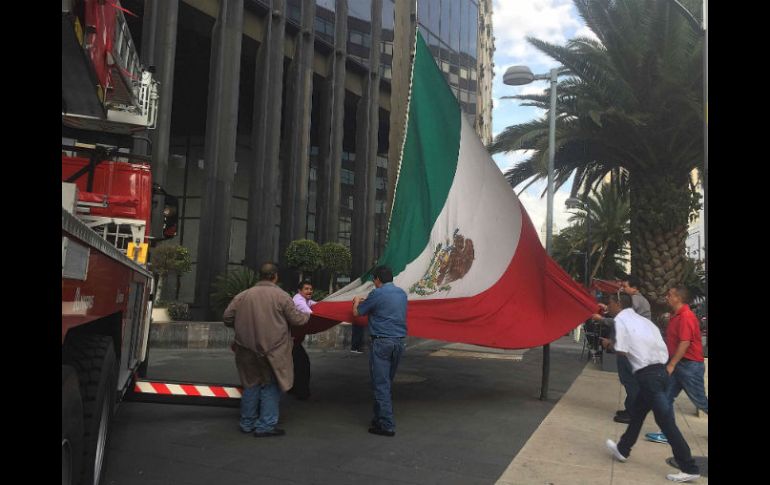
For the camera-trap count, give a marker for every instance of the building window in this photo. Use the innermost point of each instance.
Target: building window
(344, 232)
(382, 162)
(347, 176)
(360, 38)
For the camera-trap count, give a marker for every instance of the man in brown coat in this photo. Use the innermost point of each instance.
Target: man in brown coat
(261, 317)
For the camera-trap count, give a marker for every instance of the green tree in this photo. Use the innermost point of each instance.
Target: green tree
(609, 211)
(336, 258)
(229, 284)
(166, 259)
(303, 255)
(633, 100)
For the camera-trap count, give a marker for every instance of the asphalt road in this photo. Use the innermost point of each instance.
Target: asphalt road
(460, 420)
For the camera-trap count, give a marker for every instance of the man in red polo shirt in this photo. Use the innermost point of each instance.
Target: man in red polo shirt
(685, 352)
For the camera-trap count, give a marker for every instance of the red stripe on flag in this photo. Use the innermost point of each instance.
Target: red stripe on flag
(219, 391)
(189, 390)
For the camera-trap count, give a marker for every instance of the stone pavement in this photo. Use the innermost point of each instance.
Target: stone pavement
(461, 417)
(465, 415)
(568, 447)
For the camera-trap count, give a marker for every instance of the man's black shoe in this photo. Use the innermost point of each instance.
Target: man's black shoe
(381, 432)
(267, 434)
(622, 419)
(623, 413)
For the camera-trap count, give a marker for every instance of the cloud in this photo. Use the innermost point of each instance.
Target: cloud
(537, 207)
(506, 161)
(547, 20)
(584, 31)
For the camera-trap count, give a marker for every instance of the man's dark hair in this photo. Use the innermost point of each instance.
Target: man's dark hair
(622, 298)
(633, 281)
(683, 293)
(302, 284)
(267, 271)
(383, 273)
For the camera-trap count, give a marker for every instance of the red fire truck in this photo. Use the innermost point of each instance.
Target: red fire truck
(106, 206)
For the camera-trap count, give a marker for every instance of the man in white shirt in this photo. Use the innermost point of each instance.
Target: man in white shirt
(303, 303)
(640, 340)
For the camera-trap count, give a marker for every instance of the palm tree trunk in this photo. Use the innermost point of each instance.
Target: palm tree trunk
(599, 262)
(659, 211)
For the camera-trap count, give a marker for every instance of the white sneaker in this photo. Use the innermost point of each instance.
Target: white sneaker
(614, 450)
(682, 477)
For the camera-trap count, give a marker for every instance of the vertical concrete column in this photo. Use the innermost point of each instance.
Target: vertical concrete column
(367, 129)
(164, 54)
(403, 54)
(266, 140)
(332, 133)
(219, 147)
(299, 103)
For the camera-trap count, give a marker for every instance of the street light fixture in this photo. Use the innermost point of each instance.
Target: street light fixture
(519, 76)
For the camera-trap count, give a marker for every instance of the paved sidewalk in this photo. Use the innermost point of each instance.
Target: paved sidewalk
(568, 447)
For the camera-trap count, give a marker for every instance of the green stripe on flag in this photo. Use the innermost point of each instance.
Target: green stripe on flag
(428, 164)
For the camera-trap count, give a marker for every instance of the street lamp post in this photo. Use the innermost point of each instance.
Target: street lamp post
(517, 76)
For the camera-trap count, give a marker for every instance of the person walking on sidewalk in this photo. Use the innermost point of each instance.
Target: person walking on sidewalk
(685, 348)
(640, 340)
(642, 307)
(304, 303)
(386, 307)
(261, 317)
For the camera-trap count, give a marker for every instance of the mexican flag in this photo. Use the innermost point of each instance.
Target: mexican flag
(459, 241)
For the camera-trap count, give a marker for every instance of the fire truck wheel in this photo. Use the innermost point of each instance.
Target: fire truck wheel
(71, 426)
(93, 357)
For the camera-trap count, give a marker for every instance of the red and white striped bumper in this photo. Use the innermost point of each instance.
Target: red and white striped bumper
(177, 389)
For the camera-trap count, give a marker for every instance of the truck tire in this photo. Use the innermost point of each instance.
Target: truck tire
(71, 426)
(93, 357)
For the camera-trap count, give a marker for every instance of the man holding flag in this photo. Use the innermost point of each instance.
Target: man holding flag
(386, 307)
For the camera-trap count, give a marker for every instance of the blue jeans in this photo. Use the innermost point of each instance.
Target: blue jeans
(653, 385)
(262, 401)
(626, 375)
(383, 362)
(689, 375)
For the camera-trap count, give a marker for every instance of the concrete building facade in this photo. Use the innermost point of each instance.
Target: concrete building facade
(283, 119)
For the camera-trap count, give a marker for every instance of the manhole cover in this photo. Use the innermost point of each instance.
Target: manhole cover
(409, 378)
(701, 461)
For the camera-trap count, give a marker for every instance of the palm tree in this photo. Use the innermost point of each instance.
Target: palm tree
(610, 228)
(632, 102)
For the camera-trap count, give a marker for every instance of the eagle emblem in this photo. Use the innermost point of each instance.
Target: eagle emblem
(450, 262)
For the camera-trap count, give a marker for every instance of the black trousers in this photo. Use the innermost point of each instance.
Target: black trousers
(357, 337)
(301, 389)
(653, 396)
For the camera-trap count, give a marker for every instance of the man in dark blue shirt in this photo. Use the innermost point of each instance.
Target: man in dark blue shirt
(386, 307)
